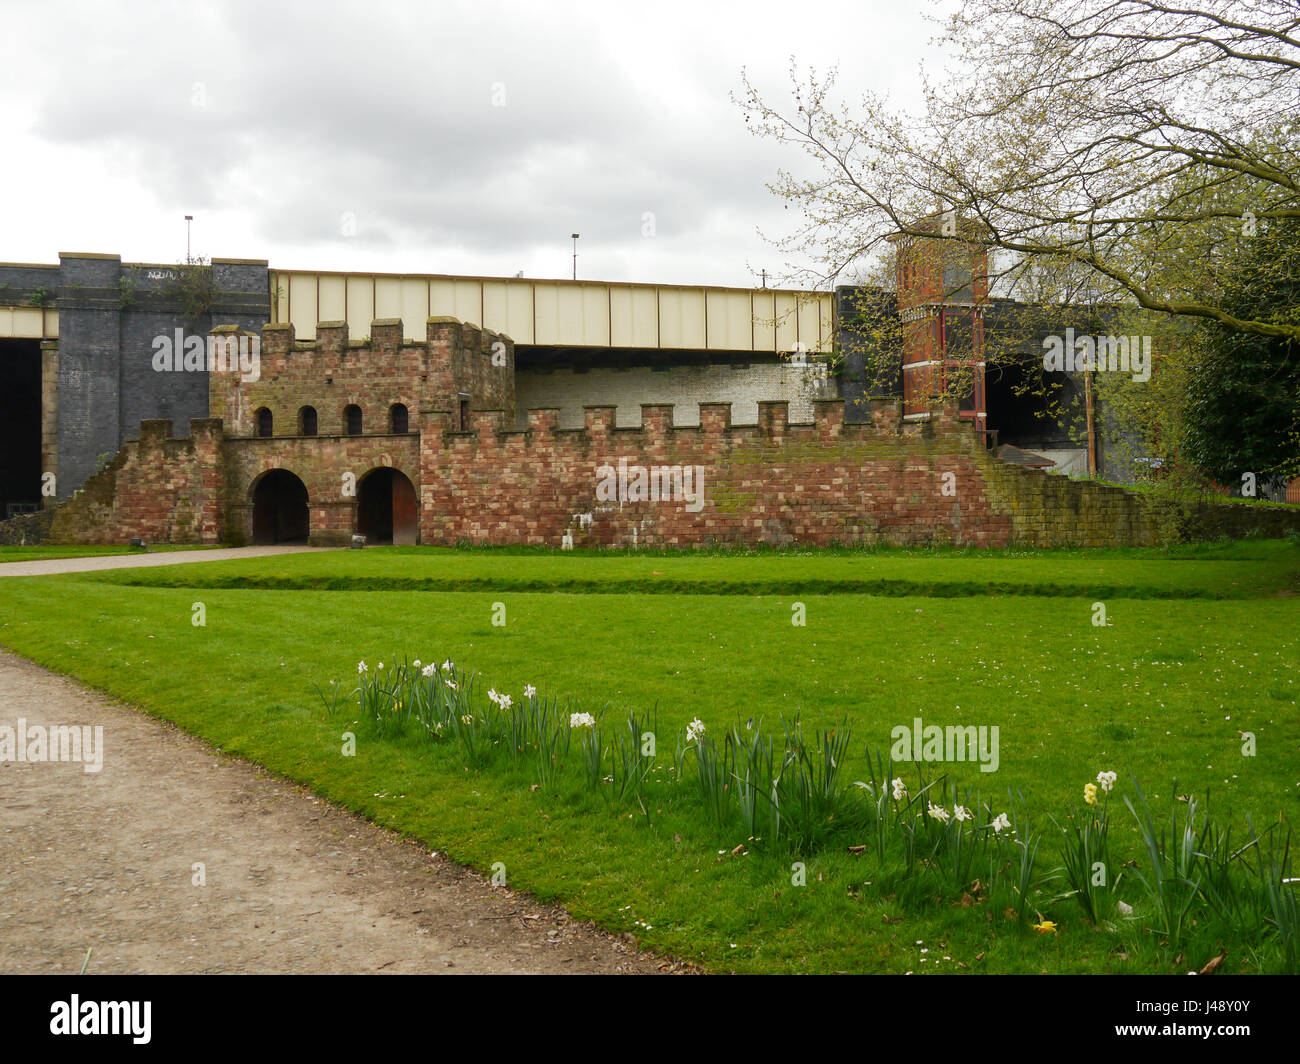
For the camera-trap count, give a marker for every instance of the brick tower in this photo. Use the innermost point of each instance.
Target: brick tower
(942, 291)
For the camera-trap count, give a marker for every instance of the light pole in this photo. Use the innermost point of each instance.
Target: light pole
(188, 218)
(575, 255)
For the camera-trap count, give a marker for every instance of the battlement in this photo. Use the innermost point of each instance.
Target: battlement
(341, 380)
(493, 426)
(386, 336)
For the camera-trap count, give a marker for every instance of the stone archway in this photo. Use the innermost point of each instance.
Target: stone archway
(280, 513)
(386, 510)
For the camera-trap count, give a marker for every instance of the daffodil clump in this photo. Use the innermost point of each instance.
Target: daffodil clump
(926, 839)
(1089, 870)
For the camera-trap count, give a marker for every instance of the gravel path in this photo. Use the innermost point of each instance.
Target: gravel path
(52, 566)
(105, 861)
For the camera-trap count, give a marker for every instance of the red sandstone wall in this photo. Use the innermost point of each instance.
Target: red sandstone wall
(775, 483)
(333, 372)
(158, 488)
(319, 462)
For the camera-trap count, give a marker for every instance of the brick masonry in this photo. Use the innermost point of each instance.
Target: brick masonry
(98, 381)
(744, 385)
(886, 481)
(159, 488)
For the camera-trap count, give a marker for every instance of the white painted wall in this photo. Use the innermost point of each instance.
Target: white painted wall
(683, 386)
(1073, 462)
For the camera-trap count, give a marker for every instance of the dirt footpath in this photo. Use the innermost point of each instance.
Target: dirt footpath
(99, 562)
(105, 861)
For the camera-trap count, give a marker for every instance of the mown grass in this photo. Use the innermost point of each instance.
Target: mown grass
(1235, 570)
(1160, 694)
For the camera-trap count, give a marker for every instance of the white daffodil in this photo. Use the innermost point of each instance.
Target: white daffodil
(493, 696)
(529, 690)
(447, 665)
(900, 789)
(694, 730)
(1001, 823)
(505, 701)
(428, 671)
(581, 720)
(1107, 781)
(938, 812)
(415, 664)
(361, 667)
(961, 813)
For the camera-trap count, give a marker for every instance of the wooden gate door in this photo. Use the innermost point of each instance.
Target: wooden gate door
(404, 510)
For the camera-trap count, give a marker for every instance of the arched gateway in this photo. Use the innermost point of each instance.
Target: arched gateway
(280, 512)
(386, 510)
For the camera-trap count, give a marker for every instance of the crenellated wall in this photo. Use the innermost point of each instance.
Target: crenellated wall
(775, 483)
(333, 372)
(886, 480)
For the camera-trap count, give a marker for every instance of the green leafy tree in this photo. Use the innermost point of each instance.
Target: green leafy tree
(1243, 406)
(1079, 135)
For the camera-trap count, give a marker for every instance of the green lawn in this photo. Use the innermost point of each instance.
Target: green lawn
(1239, 570)
(1203, 644)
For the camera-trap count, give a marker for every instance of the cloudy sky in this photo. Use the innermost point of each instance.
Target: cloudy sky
(432, 137)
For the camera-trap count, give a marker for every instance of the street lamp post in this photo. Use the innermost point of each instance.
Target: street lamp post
(575, 255)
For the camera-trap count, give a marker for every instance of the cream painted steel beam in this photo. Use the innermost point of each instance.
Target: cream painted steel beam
(29, 323)
(563, 313)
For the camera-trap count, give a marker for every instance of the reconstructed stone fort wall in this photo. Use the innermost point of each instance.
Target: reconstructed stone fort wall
(824, 482)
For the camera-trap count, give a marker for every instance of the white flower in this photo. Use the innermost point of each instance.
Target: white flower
(581, 720)
(505, 701)
(381, 664)
(694, 730)
(493, 696)
(529, 690)
(428, 671)
(900, 789)
(361, 667)
(415, 664)
(938, 812)
(1107, 780)
(961, 813)
(447, 665)
(1000, 823)
(1125, 909)
(450, 683)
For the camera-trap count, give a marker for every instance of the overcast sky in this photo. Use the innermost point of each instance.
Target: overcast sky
(460, 138)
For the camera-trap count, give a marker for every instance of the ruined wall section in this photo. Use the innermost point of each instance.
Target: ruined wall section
(158, 488)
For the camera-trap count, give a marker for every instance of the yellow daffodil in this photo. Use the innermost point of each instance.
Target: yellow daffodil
(1045, 928)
